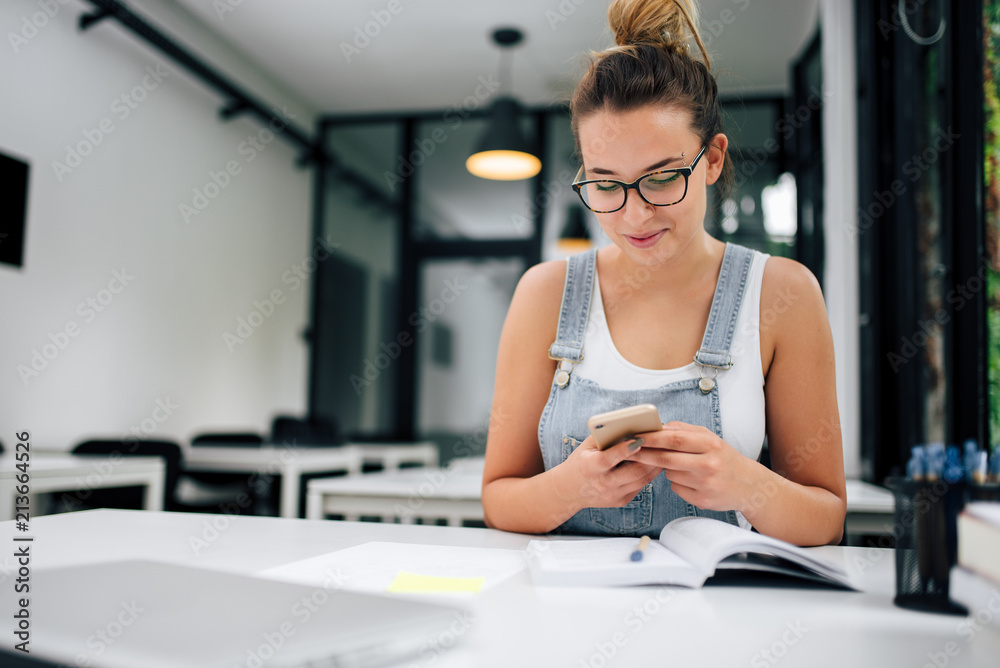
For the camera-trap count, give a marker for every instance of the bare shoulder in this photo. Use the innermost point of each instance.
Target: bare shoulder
(539, 294)
(792, 311)
(547, 277)
(788, 288)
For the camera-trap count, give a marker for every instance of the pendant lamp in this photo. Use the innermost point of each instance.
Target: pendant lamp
(503, 153)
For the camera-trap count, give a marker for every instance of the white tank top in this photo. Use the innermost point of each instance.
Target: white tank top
(741, 388)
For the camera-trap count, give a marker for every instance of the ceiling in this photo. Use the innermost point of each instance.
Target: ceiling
(431, 55)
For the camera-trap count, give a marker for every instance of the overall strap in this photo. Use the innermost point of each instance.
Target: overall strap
(725, 313)
(574, 314)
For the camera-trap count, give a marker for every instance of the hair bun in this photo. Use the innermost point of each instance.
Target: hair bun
(667, 24)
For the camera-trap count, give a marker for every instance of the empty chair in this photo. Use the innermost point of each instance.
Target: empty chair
(127, 497)
(263, 501)
(228, 439)
(234, 439)
(309, 431)
(131, 497)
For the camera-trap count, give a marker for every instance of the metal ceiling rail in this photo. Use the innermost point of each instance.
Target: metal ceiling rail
(238, 100)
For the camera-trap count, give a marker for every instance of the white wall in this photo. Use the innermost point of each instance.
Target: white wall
(154, 356)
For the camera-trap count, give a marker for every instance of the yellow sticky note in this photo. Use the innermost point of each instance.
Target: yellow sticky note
(414, 582)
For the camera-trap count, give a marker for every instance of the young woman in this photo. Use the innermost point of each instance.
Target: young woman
(729, 344)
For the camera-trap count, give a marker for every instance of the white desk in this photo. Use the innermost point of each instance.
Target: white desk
(285, 462)
(406, 495)
(53, 472)
(394, 455)
(518, 624)
(870, 510)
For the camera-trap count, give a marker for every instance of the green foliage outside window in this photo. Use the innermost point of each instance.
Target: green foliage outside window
(991, 175)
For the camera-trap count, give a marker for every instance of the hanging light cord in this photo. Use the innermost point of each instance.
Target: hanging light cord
(905, 22)
(506, 78)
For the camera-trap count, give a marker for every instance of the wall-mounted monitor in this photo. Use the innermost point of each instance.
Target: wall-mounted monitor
(13, 209)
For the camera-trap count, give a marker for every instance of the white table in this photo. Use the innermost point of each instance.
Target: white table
(55, 472)
(395, 455)
(405, 495)
(518, 624)
(870, 510)
(285, 462)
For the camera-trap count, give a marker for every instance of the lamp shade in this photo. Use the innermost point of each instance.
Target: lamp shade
(503, 154)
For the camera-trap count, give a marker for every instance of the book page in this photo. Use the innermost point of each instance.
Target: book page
(702, 540)
(707, 541)
(607, 561)
(601, 553)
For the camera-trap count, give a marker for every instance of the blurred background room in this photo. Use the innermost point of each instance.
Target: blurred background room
(246, 223)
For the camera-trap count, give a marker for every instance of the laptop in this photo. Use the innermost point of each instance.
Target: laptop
(146, 614)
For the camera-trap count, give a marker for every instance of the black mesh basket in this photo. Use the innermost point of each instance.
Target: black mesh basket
(926, 542)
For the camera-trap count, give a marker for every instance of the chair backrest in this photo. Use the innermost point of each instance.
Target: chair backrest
(168, 450)
(234, 439)
(304, 431)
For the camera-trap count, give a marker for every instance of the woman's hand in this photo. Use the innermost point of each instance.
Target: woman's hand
(592, 478)
(702, 468)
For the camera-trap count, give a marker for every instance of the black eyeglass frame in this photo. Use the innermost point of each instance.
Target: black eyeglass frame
(685, 171)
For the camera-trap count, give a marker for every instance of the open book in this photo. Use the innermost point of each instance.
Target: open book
(689, 551)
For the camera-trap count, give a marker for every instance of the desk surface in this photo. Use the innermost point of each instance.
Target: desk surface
(59, 472)
(270, 458)
(249, 456)
(434, 483)
(47, 464)
(518, 624)
(865, 497)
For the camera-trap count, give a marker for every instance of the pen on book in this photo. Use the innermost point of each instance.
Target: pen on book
(640, 549)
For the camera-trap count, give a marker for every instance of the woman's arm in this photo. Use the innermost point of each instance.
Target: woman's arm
(803, 421)
(518, 494)
(803, 499)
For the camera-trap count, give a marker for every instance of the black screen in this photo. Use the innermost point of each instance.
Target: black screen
(13, 209)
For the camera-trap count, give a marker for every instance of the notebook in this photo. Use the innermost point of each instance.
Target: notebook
(145, 614)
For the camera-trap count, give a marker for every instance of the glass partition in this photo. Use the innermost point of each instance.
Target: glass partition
(356, 332)
(463, 304)
(451, 203)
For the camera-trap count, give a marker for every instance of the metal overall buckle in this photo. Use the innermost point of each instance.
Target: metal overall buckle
(707, 383)
(565, 368)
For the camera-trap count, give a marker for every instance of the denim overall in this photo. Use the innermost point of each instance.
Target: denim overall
(573, 400)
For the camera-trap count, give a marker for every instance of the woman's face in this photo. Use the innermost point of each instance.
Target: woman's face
(627, 145)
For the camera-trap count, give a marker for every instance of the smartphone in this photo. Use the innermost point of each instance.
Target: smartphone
(611, 427)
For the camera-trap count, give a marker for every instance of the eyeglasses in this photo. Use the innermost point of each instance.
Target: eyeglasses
(663, 188)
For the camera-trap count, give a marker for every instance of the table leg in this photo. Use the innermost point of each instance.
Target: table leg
(152, 498)
(314, 506)
(291, 481)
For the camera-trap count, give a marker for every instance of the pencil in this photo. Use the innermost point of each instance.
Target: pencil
(640, 549)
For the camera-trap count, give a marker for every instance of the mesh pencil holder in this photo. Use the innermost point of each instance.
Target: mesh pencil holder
(926, 542)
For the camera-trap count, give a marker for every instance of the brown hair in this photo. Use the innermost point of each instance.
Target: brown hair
(652, 64)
